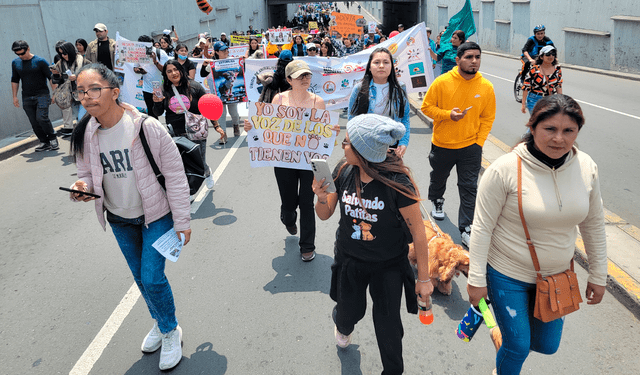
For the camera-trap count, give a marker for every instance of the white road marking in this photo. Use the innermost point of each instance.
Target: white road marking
(102, 339)
(577, 100)
(203, 192)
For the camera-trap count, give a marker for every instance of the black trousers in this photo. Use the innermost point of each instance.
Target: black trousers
(467, 161)
(148, 100)
(295, 190)
(37, 110)
(350, 280)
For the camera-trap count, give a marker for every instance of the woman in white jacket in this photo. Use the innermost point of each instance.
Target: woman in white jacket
(560, 193)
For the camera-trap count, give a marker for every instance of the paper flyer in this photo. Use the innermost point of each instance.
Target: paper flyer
(169, 245)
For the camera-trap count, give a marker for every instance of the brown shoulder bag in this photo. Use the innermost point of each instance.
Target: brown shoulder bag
(556, 295)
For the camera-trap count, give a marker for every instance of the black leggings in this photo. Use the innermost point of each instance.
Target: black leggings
(295, 190)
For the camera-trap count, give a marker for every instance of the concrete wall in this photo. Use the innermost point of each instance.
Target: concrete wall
(43, 22)
(586, 32)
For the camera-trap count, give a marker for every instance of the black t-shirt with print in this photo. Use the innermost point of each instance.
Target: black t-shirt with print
(374, 235)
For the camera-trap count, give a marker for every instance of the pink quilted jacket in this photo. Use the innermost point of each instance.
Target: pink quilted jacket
(155, 202)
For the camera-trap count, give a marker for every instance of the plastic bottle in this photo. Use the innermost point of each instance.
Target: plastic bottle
(469, 324)
(424, 312)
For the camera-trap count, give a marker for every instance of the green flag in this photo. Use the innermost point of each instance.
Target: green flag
(463, 20)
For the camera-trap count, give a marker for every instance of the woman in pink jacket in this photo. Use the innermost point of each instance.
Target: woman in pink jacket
(112, 164)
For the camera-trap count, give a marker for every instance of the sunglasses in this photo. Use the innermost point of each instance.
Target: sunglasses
(312, 49)
(21, 54)
(552, 53)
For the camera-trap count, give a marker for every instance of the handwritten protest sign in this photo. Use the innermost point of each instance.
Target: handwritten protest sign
(289, 137)
(313, 25)
(345, 24)
(133, 52)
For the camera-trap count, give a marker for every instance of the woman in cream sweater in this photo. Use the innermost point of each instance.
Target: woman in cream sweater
(561, 193)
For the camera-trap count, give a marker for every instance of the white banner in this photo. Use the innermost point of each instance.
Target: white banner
(289, 137)
(130, 82)
(334, 78)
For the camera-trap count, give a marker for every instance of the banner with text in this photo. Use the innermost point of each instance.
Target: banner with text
(280, 36)
(130, 81)
(334, 78)
(289, 137)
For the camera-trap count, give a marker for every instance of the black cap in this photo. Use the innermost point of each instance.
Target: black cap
(400, 25)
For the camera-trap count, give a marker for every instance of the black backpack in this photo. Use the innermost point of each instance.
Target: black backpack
(191, 159)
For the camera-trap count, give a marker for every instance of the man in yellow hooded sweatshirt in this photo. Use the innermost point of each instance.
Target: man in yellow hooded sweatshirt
(462, 105)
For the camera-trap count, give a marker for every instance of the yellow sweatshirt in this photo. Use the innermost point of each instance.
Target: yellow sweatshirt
(451, 90)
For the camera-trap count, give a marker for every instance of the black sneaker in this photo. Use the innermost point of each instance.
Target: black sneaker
(438, 212)
(53, 144)
(43, 147)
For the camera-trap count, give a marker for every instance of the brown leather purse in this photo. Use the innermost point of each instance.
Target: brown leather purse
(556, 295)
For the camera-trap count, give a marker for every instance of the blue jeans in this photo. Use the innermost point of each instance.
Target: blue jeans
(513, 303)
(532, 99)
(147, 264)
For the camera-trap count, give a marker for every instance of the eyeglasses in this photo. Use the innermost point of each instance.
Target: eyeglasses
(304, 76)
(92, 93)
(21, 54)
(345, 143)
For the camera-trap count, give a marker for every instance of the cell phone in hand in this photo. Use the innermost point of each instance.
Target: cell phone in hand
(321, 170)
(80, 192)
(157, 88)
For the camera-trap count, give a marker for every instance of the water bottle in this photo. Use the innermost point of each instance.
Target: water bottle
(469, 324)
(424, 312)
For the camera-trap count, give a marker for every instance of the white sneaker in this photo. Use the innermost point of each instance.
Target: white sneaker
(209, 180)
(153, 340)
(466, 236)
(342, 340)
(171, 353)
(437, 212)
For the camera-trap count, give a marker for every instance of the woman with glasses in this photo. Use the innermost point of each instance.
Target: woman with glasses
(380, 92)
(294, 185)
(544, 78)
(376, 195)
(112, 163)
(70, 62)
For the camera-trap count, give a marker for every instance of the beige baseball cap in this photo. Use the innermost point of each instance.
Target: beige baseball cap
(296, 68)
(100, 27)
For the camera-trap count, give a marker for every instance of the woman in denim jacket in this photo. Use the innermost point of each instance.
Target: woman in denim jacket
(380, 92)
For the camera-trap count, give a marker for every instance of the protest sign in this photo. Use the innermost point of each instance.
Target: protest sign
(280, 36)
(240, 39)
(133, 52)
(313, 25)
(289, 137)
(130, 81)
(345, 24)
(372, 27)
(228, 80)
(334, 78)
(238, 51)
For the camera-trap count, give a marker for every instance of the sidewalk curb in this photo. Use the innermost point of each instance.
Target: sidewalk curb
(611, 73)
(619, 283)
(415, 106)
(20, 146)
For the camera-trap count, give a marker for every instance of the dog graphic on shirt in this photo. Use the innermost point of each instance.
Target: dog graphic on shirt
(361, 231)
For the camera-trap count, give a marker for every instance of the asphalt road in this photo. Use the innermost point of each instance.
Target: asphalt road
(245, 300)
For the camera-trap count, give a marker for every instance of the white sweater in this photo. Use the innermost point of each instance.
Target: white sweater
(555, 204)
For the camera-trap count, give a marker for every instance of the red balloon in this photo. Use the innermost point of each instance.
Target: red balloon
(210, 106)
(394, 33)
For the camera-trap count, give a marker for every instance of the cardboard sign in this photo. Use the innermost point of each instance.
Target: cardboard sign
(313, 25)
(289, 137)
(345, 24)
